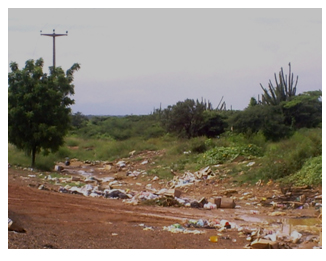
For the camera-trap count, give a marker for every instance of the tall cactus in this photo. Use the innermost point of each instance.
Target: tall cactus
(283, 91)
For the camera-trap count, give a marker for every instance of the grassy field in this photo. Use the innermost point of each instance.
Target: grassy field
(286, 160)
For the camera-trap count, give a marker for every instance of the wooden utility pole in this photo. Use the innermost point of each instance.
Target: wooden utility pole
(54, 35)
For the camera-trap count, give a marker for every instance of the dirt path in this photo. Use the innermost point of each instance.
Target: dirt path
(49, 219)
(55, 220)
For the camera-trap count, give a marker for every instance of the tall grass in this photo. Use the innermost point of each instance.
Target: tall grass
(288, 156)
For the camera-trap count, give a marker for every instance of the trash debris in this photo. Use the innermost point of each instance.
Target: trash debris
(251, 164)
(144, 162)
(67, 161)
(210, 206)
(273, 214)
(58, 168)
(170, 192)
(225, 224)
(213, 239)
(9, 222)
(263, 244)
(224, 202)
(177, 228)
(121, 164)
(295, 236)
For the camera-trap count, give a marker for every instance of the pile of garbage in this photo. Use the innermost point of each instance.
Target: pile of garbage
(189, 178)
(258, 237)
(89, 190)
(177, 228)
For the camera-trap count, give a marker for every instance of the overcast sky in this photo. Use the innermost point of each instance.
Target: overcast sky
(133, 60)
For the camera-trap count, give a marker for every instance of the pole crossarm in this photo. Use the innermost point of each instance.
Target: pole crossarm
(54, 35)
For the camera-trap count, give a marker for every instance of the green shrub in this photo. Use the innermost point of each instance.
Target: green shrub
(198, 145)
(219, 155)
(310, 174)
(288, 156)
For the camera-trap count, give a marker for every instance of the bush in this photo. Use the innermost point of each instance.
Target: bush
(310, 174)
(219, 155)
(288, 156)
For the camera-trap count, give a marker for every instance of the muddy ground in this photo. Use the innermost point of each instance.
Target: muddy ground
(45, 218)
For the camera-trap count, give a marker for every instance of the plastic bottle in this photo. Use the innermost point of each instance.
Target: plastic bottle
(213, 239)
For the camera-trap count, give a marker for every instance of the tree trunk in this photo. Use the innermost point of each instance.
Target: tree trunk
(33, 157)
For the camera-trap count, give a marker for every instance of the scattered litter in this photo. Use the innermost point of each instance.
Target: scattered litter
(210, 205)
(177, 228)
(295, 236)
(251, 164)
(213, 239)
(273, 214)
(263, 244)
(9, 222)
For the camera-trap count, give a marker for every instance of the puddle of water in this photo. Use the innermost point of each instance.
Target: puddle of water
(288, 225)
(301, 224)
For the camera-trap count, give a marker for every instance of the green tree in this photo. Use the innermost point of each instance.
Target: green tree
(253, 102)
(78, 120)
(192, 118)
(267, 119)
(304, 110)
(38, 107)
(184, 118)
(213, 124)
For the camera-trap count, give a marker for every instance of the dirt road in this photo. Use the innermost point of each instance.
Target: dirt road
(55, 220)
(49, 219)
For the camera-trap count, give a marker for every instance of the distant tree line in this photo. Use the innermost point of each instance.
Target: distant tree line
(277, 115)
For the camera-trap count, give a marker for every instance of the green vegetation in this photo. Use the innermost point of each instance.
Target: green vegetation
(309, 174)
(282, 137)
(38, 107)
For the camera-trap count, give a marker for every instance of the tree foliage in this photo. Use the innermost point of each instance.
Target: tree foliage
(267, 119)
(78, 120)
(192, 118)
(38, 106)
(304, 110)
